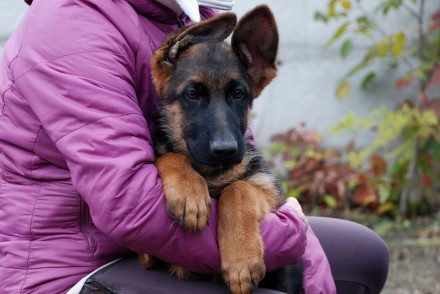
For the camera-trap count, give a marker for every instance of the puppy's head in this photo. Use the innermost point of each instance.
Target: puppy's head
(207, 87)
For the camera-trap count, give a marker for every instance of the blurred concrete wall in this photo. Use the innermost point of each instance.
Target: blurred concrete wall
(308, 75)
(307, 79)
(11, 11)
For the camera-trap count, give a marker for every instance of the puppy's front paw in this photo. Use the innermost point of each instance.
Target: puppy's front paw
(186, 192)
(243, 276)
(188, 201)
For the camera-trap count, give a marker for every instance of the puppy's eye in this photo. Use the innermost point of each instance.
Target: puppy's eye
(238, 94)
(191, 94)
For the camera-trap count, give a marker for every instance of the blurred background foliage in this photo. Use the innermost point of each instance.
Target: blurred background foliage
(398, 174)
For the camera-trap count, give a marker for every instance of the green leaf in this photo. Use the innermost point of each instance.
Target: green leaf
(361, 65)
(295, 151)
(365, 123)
(433, 147)
(284, 185)
(386, 5)
(330, 201)
(277, 147)
(343, 90)
(346, 4)
(385, 207)
(319, 16)
(381, 48)
(347, 123)
(367, 80)
(355, 159)
(398, 44)
(338, 33)
(384, 191)
(295, 193)
(346, 48)
(364, 27)
(331, 8)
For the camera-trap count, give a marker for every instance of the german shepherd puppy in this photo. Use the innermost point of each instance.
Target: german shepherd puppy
(206, 89)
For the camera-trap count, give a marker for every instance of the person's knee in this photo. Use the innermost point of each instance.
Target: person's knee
(373, 261)
(357, 255)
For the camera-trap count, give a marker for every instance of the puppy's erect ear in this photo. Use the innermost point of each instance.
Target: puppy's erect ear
(215, 29)
(255, 41)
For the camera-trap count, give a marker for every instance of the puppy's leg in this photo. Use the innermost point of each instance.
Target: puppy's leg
(148, 261)
(186, 191)
(242, 206)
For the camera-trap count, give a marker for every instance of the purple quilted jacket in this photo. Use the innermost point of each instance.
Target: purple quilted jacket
(78, 185)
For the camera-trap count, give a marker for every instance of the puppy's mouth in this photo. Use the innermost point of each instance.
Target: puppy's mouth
(217, 155)
(220, 161)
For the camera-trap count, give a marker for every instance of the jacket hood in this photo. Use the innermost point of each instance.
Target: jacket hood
(160, 13)
(154, 10)
(149, 8)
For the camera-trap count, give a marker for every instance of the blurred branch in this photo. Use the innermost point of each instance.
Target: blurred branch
(411, 10)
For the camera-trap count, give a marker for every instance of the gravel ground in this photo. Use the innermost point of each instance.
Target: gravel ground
(414, 254)
(414, 250)
(414, 266)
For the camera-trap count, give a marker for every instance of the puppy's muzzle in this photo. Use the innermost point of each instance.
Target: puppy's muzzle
(224, 149)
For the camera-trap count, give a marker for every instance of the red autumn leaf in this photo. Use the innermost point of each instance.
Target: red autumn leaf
(435, 22)
(362, 178)
(423, 98)
(435, 80)
(403, 83)
(378, 165)
(365, 196)
(436, 16)
(426, 180)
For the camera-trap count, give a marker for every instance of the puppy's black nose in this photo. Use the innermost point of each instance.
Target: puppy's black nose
(224, 148)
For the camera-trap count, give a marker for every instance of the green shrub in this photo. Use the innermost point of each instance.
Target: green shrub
(399, 172)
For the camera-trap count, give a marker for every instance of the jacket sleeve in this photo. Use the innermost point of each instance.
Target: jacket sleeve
(86, 103)
(317, 274)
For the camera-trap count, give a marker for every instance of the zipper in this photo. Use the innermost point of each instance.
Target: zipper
(86, 225)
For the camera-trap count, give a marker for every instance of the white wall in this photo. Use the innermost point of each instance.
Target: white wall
(306, 82)
(304, 88)
(11, 11)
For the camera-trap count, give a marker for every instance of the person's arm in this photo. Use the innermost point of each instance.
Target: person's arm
(105, 141)
(86, 102)
(284, 237)
(317, 274)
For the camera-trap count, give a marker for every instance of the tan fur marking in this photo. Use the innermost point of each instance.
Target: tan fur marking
(161, 71)
(185, 190)
(231, 175)
(250, 115)
(216, 79)
(242, 206)
(147, 261)
(265, 182)
(175, 127)
(180, 272)
(260, 81)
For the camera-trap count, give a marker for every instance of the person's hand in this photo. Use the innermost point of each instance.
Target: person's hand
(293, 202)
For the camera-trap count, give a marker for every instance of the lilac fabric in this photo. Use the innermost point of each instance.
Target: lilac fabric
(78, 185)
